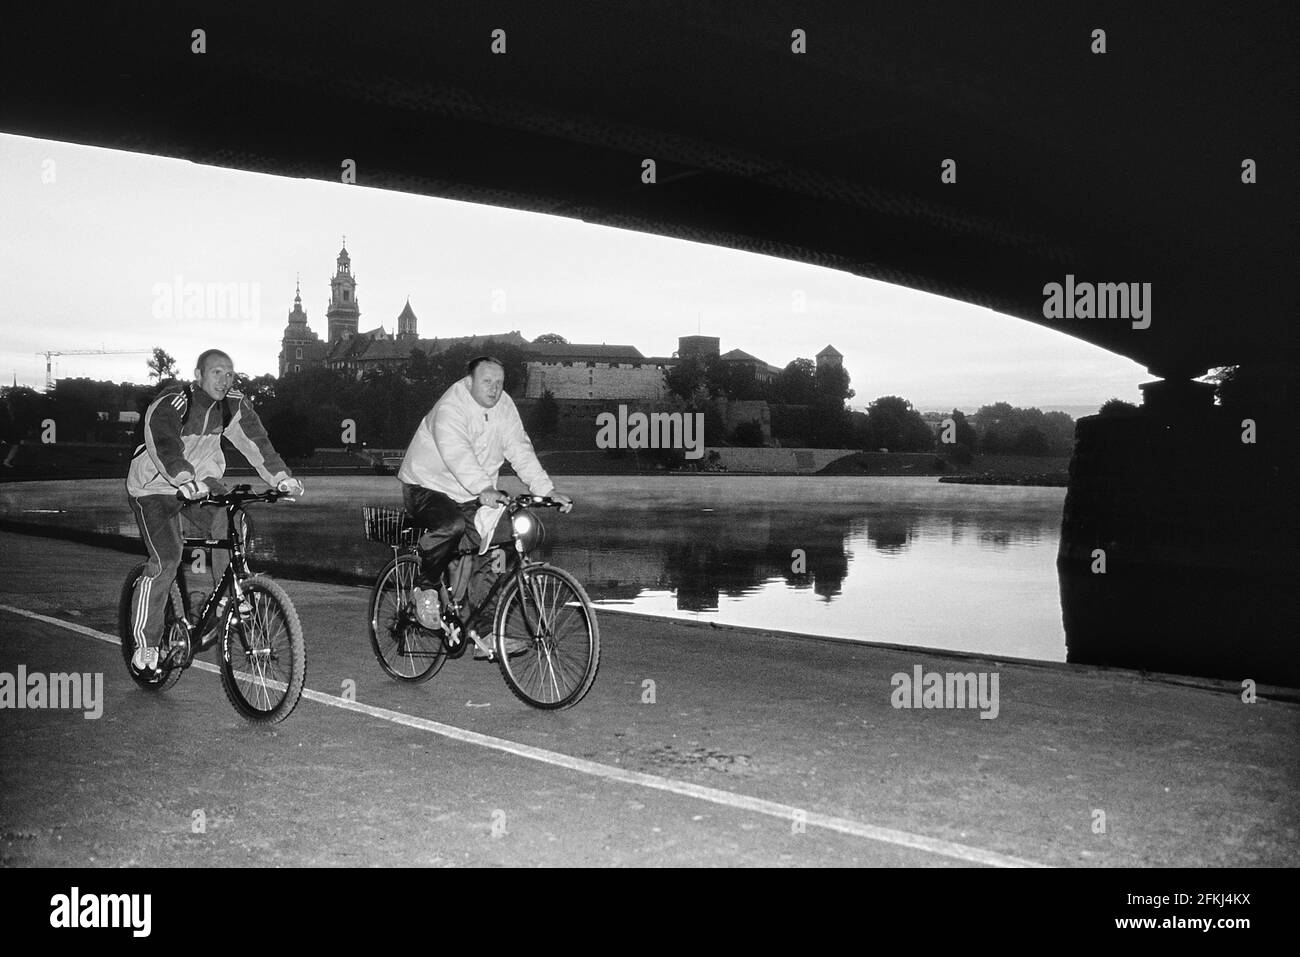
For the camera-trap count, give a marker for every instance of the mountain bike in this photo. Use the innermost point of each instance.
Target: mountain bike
(261, 656)
(542, 609)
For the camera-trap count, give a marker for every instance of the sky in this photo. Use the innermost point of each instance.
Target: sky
(93, 242)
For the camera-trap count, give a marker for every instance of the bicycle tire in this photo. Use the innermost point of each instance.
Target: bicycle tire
(268, 645)
(405, 649)
(163, 678)
(533, 675)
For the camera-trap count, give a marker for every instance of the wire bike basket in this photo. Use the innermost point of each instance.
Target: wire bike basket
(386, 525)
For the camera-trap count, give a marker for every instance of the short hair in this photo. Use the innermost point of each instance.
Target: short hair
(207, 354)
(479, 360)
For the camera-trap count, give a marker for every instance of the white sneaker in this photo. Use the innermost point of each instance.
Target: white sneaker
(145, 659)
(427, 609)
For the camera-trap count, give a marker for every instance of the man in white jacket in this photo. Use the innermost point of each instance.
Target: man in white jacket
(451, 469)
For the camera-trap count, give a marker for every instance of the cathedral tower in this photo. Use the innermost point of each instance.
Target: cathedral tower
(344, 311)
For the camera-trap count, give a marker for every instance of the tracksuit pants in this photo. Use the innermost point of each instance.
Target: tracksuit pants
(159, 518)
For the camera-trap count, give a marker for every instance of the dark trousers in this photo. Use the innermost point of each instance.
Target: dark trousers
(159, 519)
(445, 522)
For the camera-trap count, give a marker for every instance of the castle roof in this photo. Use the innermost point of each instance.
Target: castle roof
(435, 346)
(585, 351)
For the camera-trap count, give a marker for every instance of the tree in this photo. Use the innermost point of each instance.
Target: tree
(1005, 428)
(449, 365)
(833, 384)
(551, 338)
(893, 424)
(259, 390)
(748, 434)
(1058, 429)
(1117, 407)
(736, 380)
(546, 414)
(797, 383)
(686, 377)
(962, 448)
(26, 409)
(162, 365)
(1030, 441)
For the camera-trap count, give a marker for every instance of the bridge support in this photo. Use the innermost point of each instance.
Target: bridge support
(1180, 537)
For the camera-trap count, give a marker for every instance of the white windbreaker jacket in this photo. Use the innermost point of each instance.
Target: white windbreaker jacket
(459, 447)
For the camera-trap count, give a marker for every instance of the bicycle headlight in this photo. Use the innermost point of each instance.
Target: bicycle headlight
(529, 530)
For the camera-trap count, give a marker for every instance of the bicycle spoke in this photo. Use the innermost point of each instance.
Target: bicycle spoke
(558, 668)
(404, 649)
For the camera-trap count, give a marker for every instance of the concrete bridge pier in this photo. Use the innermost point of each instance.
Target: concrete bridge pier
(1180, 536)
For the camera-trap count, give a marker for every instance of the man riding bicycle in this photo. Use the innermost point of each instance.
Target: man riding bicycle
(181, 452)
(450, 472)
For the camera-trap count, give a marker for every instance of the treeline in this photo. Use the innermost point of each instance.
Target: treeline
(811, 399)
(381, 409)
(77, 410)
(809, 407)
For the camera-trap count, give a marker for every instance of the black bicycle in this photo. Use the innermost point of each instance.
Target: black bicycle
(544, 633)
(262, 656)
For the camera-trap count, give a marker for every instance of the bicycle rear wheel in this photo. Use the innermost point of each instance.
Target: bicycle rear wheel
(173, 617)
(553, 616)
(404, 648)
(263, 657)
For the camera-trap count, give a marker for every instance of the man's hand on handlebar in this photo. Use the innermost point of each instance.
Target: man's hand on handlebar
(192, 491)
(290, 486)
(491, 496)
(566, 503)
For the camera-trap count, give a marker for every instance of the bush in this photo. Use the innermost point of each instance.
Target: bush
(748, 434)
(960, 454)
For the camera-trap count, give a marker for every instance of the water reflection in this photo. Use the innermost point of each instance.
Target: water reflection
(905, 561)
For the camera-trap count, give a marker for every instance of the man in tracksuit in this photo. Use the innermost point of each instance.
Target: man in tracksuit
(183, 429)
(451, 469)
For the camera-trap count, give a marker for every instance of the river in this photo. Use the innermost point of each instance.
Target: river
(900, 560)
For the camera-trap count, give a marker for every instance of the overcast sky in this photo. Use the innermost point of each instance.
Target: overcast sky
(90, 238)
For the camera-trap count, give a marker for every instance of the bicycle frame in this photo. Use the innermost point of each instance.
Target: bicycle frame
(519, 563)
(236, 569)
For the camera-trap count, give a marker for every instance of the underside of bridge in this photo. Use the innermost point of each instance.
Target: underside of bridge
(1120, 166)
(981, 152)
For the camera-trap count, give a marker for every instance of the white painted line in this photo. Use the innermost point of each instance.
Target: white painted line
(960, 852)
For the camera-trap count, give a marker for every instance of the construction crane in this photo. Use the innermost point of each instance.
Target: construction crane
(49, 375)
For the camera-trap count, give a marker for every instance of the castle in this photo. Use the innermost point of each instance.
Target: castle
(354, 352)
(569, 371)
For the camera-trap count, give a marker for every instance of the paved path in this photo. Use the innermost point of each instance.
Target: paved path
(757, 750)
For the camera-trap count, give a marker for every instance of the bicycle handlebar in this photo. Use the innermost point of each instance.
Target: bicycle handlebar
(534, 501)
(238, 495)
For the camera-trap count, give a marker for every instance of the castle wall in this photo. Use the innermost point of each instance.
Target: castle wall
(581, 382)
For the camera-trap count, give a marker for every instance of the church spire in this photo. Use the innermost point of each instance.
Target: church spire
(344, 312)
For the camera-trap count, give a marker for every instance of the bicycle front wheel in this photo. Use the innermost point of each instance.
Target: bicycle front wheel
(263, 656)
(550, 626)
(404, 648)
